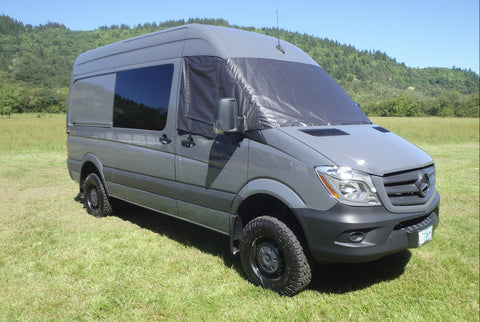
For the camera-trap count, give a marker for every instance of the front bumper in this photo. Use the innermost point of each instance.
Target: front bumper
(360, 234)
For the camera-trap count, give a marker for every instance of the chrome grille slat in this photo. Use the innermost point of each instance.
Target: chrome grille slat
(407, 201)
(401, 189)
(400, 178)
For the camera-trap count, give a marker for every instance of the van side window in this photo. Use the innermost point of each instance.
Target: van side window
(91, 100)
(142, 96)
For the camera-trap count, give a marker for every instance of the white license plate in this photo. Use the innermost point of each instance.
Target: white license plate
(425, 235)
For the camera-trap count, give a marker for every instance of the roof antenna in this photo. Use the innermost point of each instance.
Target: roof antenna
(279, 47)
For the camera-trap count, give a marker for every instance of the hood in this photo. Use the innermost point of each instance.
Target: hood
(368, 148)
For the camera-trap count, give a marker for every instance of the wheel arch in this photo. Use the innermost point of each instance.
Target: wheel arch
(91, 164)
(266, 197)
(270, 187)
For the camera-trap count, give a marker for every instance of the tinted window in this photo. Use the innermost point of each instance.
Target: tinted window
(142, 96)
(91, 100)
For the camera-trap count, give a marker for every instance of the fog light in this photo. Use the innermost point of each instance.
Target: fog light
(356, 237)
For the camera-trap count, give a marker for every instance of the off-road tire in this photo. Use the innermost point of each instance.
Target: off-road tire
(95, 198)
(272, 256)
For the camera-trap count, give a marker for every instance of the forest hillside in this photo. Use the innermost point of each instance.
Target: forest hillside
(36, 64)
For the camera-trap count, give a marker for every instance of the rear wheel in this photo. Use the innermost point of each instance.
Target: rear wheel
(272, 256)
(95, 198)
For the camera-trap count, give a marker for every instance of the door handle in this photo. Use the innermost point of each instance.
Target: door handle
(164, 139)
(189, 143)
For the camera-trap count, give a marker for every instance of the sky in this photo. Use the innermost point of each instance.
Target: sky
(419, 33)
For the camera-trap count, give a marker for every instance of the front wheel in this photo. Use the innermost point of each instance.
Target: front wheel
(273, 257)
(95, 198)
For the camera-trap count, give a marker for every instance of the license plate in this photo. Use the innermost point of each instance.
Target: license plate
(425, 235)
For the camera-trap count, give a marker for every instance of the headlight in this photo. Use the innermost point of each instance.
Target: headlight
(351, 187)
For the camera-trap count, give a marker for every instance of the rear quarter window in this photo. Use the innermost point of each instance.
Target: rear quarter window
(91, 100)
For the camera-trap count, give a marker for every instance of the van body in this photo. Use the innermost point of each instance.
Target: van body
(245, 135)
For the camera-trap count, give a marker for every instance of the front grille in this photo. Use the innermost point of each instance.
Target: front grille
(408, 188)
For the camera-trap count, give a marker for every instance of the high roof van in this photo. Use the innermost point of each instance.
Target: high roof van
(248, 136)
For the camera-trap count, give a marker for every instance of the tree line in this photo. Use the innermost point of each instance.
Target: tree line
(36, 64)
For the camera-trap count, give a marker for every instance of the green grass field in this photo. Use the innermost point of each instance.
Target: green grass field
(58, 263)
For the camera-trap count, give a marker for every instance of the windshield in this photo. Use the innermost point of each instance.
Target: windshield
(269, 93)
(296, 94)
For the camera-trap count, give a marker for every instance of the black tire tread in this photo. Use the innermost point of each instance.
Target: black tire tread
(299, 272)
(104, 208)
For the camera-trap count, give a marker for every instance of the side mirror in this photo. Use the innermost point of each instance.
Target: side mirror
(227, 120)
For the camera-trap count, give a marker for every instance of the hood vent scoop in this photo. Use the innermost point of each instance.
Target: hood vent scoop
(381, 129)
(325, 132)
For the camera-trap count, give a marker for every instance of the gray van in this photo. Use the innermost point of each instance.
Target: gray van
(245, 135)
